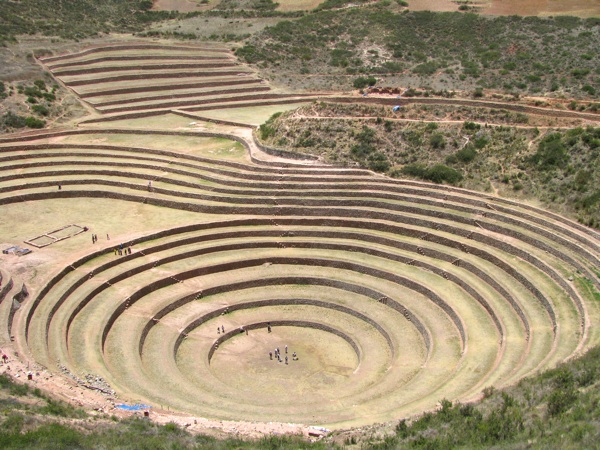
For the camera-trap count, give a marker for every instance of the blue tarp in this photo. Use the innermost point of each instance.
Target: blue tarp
(137, 407)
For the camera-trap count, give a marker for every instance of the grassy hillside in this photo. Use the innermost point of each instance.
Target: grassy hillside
(75, 19)
(31, 420)
(556, 409)
(454, 50)
(34, 104)
(560, 168)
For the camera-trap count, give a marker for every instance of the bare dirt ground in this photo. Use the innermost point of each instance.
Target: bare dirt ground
(432, 5)
(183, 5)
(580, 8)
(298, 5)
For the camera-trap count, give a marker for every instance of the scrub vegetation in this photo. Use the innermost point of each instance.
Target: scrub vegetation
(559, 167)
(525, 55)
(557, 408)
(76, 19)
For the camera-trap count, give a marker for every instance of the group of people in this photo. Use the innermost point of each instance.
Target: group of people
(120, 250)
(95, 236)
(277, 354)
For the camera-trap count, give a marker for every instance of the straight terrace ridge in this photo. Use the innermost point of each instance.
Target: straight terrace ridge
(118, 48)
(211, 120)
(139, 114)
(156, 76)
(144, 89)
(446, 193)
(184, 104)
(137, 58)
(275, 170)
(131, 101)
(536, 110)
(142, 67)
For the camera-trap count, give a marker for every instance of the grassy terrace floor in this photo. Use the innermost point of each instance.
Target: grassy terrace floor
(421, 291)
(393, 294)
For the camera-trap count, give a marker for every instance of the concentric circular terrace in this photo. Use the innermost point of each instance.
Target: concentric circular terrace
(393, 294)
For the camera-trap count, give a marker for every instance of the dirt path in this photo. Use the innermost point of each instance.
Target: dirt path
(398, 119)
(392, 101)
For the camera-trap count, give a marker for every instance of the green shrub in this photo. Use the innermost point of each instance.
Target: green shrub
(560, 400)
(267, 130)
(361, 150)
(551, 153)
(466, 154)
(437, 141)
(171, 427)
(61, 409)
(334, 4)
(363, 82)
(11, 120)
(437, 174)
(416, 170)
(50, 436)
(480, 142)
(264, 5)
(340, 58)
(32, 91)
(13, 423)
(427, 68)
(443, 174)
(471, 126)
(32, 122)
(40, 109)
(40, 84)
(378, 162)
(580, 73)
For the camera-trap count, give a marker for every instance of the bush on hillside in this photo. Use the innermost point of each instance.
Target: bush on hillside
(363, 82)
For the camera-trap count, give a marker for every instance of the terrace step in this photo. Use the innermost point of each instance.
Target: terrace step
(471, 290)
